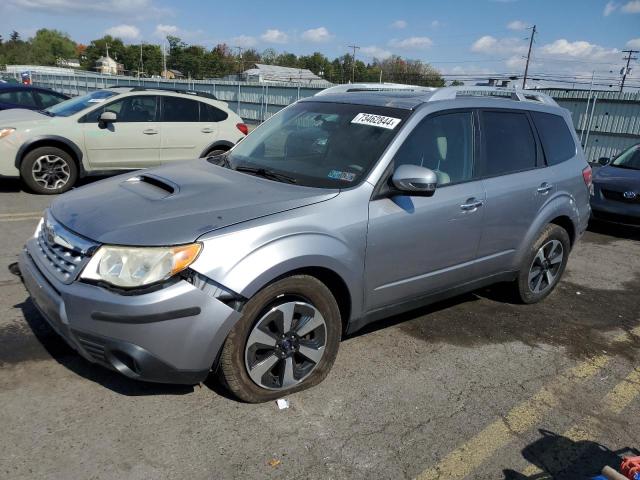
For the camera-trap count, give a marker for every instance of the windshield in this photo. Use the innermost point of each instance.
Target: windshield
(318, 144)
(74, 105)
(628, 159)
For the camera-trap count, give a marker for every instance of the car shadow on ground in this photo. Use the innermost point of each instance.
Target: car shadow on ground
(14, 185)
(617, 230)
(560, 458)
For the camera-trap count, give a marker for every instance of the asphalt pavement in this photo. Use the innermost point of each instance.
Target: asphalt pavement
(474, 387)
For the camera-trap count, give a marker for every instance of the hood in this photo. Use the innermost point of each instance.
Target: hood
(20, 117)
(624, 178)
(175, 204)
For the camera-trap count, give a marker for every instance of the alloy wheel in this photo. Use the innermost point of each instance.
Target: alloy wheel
(285, 345)
(51, 171)
(545, 267)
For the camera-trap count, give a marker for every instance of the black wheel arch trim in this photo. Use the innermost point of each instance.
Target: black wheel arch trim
(54, 138)
(217, 143)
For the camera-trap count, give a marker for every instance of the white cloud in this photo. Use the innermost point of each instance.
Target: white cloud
(376, 52)
(244, 41)
(436, 24)
(491, 45)
(631, 7)
(317, 35)
(399, 24)
(515, 62)
(517, 25)
(634, 43)
(138, 8)
(609, 8)
(579, 49)
(273, 35)
(412, 43)
(125, 32)
(164, 30)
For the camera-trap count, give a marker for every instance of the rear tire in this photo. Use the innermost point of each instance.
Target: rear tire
(215, 152)
(48, 170)
(543, 266)
(264, 358)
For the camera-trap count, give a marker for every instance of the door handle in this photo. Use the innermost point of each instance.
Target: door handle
(207, 130)
(150, 131)
(544, 188)
(471, 205)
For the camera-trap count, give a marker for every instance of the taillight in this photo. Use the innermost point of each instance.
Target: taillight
(243, 128)
(587, 175)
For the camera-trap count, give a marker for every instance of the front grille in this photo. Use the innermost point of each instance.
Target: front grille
(619, 196)
(62, 252)
(92, 346)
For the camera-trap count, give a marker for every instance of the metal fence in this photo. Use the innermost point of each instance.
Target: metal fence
(606, 122)
(254, 102)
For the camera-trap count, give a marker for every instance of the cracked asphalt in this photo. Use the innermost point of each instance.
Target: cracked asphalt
(474, 387)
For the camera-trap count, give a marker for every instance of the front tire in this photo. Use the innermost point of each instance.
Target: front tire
(544, 265)
(48, 170)
(286, 341)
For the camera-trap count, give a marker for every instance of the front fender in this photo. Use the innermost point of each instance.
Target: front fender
(248, 272)
(561, 205)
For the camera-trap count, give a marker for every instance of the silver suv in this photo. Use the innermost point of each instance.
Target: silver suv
(110, 130)
(342, 209)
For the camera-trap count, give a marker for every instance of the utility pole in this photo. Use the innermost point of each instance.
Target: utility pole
(240, 60)
(164, 62)
(526, 68)
(353, 62)
(141, 69)
(626, 69)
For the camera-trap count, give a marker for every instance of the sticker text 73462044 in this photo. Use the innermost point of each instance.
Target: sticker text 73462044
(376, 120)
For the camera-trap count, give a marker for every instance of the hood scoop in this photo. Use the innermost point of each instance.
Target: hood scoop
(150, 186)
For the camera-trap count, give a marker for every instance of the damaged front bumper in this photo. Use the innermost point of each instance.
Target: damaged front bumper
(170, 335)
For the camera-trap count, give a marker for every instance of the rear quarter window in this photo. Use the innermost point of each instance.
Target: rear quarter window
(555, 136)
(209, 113)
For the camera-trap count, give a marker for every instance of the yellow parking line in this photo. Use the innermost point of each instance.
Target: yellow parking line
(469, 456)
(20, 219)
(619, 398)
(20, 214)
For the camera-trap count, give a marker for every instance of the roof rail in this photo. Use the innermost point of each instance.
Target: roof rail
(374, 87)
(175, 90)
(451, 93)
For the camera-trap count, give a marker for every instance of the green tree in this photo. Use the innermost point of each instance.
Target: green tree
(49, 46)
(456, 83)
(15, 36)
(98, 48)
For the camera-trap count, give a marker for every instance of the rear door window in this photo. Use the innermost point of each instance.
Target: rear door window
(508, 143)
(18, 97)
(556, 138)
(180, 110)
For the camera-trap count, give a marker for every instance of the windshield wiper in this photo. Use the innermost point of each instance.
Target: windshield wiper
(266, 173)
(45, 112)
(221, 160)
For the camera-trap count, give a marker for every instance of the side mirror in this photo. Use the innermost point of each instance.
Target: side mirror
(415, 180)
(604, 161)
(107, 118)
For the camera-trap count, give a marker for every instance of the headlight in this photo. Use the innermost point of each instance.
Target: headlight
(4, 132)
(38, 228)
(139, 266)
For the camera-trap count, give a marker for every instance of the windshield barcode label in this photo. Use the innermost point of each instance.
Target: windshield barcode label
(376, 120)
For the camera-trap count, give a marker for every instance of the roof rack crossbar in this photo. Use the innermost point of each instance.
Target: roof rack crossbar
(176, 90)
(451, 93)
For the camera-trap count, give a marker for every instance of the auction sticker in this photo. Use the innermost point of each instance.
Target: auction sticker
(376, 120)
(344, 176)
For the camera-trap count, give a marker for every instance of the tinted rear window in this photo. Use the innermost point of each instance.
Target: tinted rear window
(177, 109)
(557, 141)
(209, 113)
(509, 144)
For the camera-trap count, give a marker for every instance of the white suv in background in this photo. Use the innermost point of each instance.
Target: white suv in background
(110, 130)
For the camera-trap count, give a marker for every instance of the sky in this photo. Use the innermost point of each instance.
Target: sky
(459, 37)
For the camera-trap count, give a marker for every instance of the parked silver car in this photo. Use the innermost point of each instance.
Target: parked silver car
(342, 209)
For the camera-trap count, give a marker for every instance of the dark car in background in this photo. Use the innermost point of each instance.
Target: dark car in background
(616, 188)
(25, 96)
